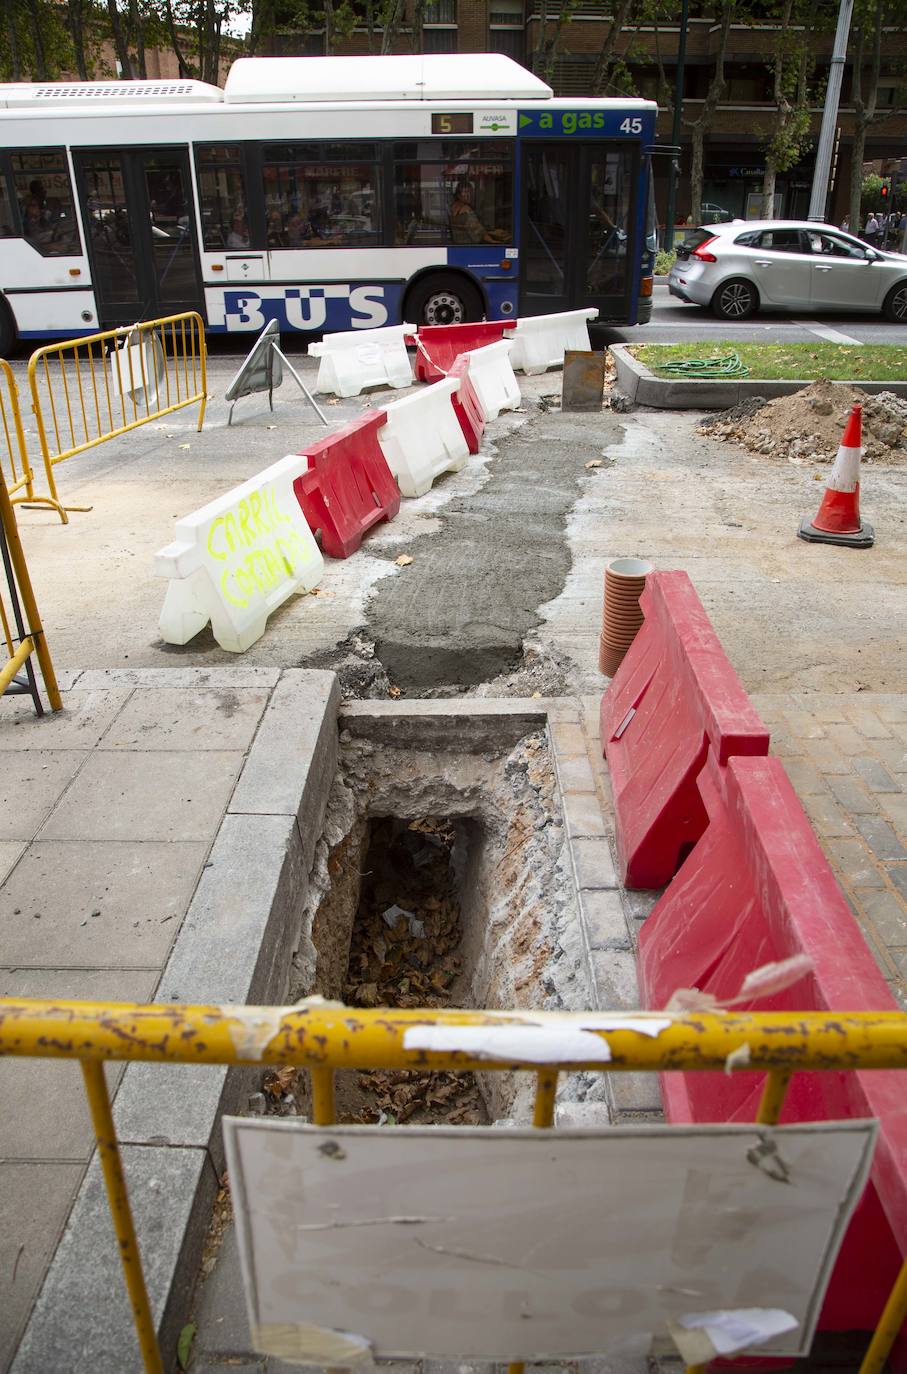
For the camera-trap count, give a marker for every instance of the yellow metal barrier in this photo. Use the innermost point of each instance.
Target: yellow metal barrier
(85, 391)
(15, 469)
(20, 623)
(323, 1038)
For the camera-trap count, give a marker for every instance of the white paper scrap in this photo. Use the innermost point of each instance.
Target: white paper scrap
(552, 1044)
(735, 1329)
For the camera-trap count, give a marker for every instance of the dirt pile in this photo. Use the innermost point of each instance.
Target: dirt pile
(807, 427)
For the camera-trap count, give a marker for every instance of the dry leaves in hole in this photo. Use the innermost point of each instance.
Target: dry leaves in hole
(393, 692)
(403, 561)
(594, 463)
(280, 1081)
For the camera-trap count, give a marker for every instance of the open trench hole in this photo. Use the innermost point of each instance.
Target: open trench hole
(442, 879)
(406, 950)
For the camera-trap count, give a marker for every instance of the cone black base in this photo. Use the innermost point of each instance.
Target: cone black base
(864, 538)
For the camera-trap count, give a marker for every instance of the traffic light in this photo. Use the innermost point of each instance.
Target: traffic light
(885, 192)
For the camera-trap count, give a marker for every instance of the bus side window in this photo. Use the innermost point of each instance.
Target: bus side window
(222, 193)
(8, 228)
(44, 194)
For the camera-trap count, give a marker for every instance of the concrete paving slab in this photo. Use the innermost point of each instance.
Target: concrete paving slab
(49, 1117)
(31, 784)
(10, 853)
(35, 1198)
(86, 717)
(172, 718)
(98, 903)
(73, 1327)
(126, 795)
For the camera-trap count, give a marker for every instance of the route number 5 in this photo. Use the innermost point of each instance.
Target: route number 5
(631, 126)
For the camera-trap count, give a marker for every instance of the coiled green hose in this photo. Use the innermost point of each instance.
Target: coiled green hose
(719, 367)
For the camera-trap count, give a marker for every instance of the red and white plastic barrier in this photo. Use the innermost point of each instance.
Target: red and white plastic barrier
(363, 357)
(422, 437)
(237, 559)
(757, 890)
(466, 404)
(674, 700)
(540, 341)
(348, 487)
(493, 379)
(439, 345)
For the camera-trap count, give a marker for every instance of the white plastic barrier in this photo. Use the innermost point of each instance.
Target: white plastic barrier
(237, 559)
(422, 437)
(363, 357)
(491, 374)
(540, 341)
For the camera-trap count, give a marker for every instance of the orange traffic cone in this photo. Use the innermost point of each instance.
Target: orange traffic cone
(838, 518)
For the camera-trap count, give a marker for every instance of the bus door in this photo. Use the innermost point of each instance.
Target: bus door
(139, 219)
(578, 226)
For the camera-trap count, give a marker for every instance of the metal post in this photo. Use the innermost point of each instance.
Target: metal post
(819, 194)
(675, 127)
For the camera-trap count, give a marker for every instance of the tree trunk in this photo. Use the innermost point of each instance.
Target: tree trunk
(40, 52)
(768, 188)
(137, 26)
(696, 170)
(701, 125)
(328, 27)
(15, 67)
(119, 41)
(77, 32)
(391, 25)
(418, 26)
(856, 173)
(370, 24)
(184, 69)
(606, 54)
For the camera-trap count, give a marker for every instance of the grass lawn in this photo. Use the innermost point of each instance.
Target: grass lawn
(802, 361)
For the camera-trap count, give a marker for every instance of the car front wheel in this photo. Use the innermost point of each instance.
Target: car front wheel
(895, 307)
(735, 300)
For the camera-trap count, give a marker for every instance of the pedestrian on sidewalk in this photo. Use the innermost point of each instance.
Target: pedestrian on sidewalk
(872, 231)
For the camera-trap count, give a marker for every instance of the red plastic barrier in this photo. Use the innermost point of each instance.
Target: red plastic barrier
(674, 701)
(466, 404)
(348, 487)
(757, 889)
(438, 345)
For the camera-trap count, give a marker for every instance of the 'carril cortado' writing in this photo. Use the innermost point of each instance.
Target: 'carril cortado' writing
(258, 546)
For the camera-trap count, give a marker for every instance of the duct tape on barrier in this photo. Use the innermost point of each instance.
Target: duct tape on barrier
(361, 358)
(237, 559)
(674, 700)
(349, 486)
(493, 378)
(540, 341)
(423, 438)
(438, 345)
(757, 889)
(466, 404)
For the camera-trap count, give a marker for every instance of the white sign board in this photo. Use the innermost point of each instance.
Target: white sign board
(483, 1244)
(239, 558)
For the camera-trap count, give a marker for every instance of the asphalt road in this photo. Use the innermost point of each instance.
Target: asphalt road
(673, 321)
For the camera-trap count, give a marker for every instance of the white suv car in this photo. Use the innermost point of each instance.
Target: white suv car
(787, 265)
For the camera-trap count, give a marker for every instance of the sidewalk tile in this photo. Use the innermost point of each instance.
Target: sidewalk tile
(97, 903)
(888, 915)
(893, 753)
(876, 778)
(827, 816)
(825, 755)
(867, 722)
(846, 739)
(852, 795)
(574, 774)
(806, 779)
(895, 807)
(604, 919)
(898, 874)
(803, 724)
(46, 1114)
(594, 865)
(80, 725)
(203, 718)
(856, 864)
(122, 795)
(10, 852)
(567, 738)
(880, 837)
(30, 785)
(582, 814)
(35, 1198)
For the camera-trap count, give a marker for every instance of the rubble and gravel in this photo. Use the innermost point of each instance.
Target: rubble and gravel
(807, 426)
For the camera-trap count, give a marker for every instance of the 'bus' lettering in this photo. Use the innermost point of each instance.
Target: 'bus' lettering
(368, 302)
(305, 311)
(243, 311)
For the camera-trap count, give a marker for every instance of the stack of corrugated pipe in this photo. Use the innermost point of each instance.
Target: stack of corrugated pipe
(625, 579)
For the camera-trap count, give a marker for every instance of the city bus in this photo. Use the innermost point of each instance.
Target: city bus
(327, 193)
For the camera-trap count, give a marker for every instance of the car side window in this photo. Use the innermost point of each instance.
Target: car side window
(830, 246)
(747, 240)
(781, 240)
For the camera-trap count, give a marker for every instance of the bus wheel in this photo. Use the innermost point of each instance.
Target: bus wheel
(7, 329)
(444, 298)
